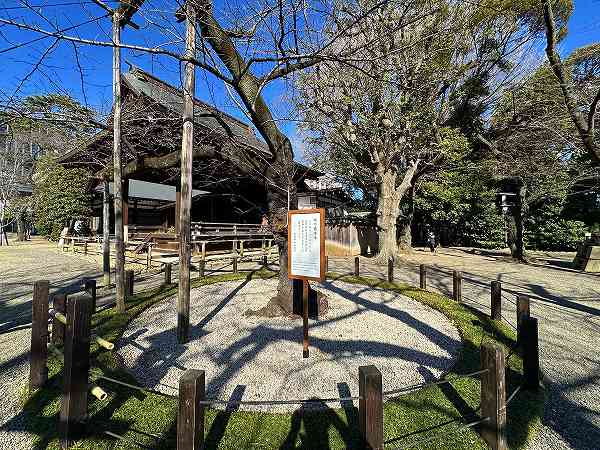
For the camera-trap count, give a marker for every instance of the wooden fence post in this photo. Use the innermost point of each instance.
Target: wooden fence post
(423, 276)
(168, 270)
(531, 353)
(90, 287)
(493, 396)
(370, 407)
(264, 261)
(496, 300)
(190, 416)
(201, 267)
(235, 269)
(457, 286)
(73, 409)
(38, 372)
(391, 269)
(326, 263)
(356, 266)
(59, 304)
(129, 280)
(523, 311)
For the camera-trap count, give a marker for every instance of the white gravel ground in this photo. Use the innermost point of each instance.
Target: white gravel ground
(253, 358)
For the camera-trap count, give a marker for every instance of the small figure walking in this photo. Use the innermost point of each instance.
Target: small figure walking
(431, 241)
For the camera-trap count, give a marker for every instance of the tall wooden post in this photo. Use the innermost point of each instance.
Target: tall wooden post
(117, 176)
(190, 416)
(531, 353)
(168, 269)
(38, 373)
(187, 143)
(496, 300)
(391, 269)
(90, 287)
(59, 304)
(457, 285)
(73, 409)
(356, 266)
(493, 396)
(370, 407)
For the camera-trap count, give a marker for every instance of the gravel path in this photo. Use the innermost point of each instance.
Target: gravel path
(567, 305)
(255, 358)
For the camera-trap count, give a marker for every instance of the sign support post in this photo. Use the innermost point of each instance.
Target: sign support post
(306, 256)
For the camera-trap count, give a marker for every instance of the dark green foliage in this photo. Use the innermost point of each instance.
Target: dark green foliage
(59, 196)
(548, 229)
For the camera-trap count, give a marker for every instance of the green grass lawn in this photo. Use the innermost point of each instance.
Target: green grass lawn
(149, 420)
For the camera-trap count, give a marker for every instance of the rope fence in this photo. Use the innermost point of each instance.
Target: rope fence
(71, 330)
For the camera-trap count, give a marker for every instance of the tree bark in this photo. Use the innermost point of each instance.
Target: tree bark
(20, 227)
(405, 240)
(117, 177)
(388, 207)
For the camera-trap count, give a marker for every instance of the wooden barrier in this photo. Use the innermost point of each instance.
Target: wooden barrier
(493, 396)
(496, 300)
(264, 261)
(38, 372)
(531, 353)
(370, 407)
(235, 263)
(201, 268)
(59, 304)
(391, 269)
(523, 311)
(73, 409)
(168, 271)
(457, 286)
(423, 276)
(190, 415)
(356, 266)
(129, 281)
(326, 263)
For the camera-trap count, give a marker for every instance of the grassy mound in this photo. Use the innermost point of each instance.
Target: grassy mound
(429, 418)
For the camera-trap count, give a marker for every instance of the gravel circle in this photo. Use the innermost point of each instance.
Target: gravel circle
(255, 358)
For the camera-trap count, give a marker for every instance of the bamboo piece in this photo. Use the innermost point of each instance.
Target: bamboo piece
(98, 392)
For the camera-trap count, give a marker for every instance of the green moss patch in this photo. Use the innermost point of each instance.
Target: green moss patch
(431, 418)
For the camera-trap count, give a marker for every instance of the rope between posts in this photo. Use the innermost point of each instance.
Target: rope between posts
(415, 387)
(438, 435)
(511, 397)
(508, 299)
(100, 375)
(124, 439)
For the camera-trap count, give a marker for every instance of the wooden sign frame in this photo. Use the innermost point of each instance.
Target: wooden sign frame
(321, 212)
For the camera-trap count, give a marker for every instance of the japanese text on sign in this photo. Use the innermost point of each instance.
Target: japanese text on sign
(305, 246)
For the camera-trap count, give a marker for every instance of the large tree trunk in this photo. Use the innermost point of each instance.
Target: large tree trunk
(405, 238)
(388, 207)
(20, 227)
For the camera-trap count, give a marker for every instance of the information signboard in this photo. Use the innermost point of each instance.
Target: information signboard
(306, 244)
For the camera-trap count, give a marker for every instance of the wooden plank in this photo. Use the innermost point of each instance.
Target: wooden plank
(190, 415)
(423, 276)
(496, 300)
(59, 304)
(38, 372)
(187, 144)
(531, 353)
(370, 407)
(493, 396)
(73, 409)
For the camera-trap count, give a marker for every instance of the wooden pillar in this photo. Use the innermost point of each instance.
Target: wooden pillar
(496, 300)
(38, 372)
(129, 280)
(356, 266)
(531, 353)
(264, 261)
(201, 267)
(234, 262)
(326, 263)
(118, 170)
(457, 285)
(105, 232)
(523, 311)
(90, 287)
(370, 407)
(391, 269)
(73, 409)
(423, 276)
(59, 304)
(177, 206)
(190, 415)
(305, 291)
(493, 396)
(168, 269)
(187, 143)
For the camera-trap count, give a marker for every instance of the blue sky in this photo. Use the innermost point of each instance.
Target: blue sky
(57, 73)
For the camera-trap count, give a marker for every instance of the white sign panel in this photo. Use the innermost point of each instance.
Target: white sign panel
(305, 245)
